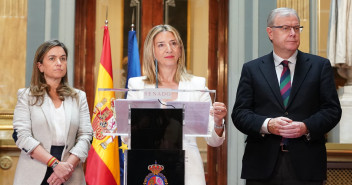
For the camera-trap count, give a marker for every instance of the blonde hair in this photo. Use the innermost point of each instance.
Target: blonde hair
(38, 86)
(148, 55)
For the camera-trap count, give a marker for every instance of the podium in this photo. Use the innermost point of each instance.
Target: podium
(155, 132)
(156, 155)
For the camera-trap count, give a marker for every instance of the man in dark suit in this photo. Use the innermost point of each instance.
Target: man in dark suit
(286, 102)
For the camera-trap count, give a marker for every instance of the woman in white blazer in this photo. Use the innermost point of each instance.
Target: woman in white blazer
(51, 123)
(164, 67)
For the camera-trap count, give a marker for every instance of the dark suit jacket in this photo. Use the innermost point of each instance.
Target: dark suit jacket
(313, 100)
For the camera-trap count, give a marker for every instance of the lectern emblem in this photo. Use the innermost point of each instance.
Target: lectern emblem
(155, 178)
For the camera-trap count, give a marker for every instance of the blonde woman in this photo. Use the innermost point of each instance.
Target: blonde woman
(164, 53)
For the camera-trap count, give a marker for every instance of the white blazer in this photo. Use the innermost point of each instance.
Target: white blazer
(194, 171)
(33, 124)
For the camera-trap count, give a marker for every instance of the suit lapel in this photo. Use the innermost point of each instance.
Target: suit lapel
(302, 67)
(47, 110)
(267, 67)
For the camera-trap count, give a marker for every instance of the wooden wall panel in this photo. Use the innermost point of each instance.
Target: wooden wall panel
(13, 36)
(152, 14)
(302, 7)
(13, 29)
(85, 48)
(8, 163)
(217, 79)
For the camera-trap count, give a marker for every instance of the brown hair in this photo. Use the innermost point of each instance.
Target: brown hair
(38, 86)
(148, 55)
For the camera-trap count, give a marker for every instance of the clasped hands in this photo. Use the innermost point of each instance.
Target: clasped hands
(62, 172)
(287, 128)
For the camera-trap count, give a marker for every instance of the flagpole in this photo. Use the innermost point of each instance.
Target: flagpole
(103, 164)
(125, 154)
(132, 25)
(106, 18)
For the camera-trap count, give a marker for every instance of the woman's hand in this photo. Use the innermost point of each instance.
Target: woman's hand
(64, 168)
(62, 172)
(219, 112)
(54, 180)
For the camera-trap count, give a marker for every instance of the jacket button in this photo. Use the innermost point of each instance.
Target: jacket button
(286, 113)
(66, 146)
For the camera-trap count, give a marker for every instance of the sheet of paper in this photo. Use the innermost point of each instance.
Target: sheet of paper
(196, 117)
(122, 107)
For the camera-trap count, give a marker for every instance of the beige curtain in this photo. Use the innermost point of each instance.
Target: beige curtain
(339, 49)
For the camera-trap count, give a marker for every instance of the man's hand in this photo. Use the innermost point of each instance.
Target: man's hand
(294, 130)
(287, 128)
(275, 125)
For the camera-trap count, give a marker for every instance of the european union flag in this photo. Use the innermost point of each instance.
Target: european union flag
(134, 66)
(133, 70)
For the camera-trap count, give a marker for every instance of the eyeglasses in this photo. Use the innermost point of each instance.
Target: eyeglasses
(163, 46)
(287, 29)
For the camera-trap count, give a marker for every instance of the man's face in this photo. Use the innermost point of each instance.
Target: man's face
(286, 39)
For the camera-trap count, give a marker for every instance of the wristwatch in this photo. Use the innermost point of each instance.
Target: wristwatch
(55, 164)
(307, 136)
(219, 127)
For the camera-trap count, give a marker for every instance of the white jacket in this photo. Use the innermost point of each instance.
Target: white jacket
(194, 171)
(33, 123)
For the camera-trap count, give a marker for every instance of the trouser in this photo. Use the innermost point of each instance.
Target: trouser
(283, 174)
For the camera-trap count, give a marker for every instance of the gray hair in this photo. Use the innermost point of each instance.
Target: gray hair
(280, 12)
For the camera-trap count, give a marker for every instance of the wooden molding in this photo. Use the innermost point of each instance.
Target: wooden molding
(85, 48)
(337, 152)
(217, 79)
(152, 14)
(6, 115)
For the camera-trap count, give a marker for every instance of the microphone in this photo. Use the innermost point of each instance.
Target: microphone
(156, 73)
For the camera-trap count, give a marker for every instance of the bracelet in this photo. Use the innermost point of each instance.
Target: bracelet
(53, 162)
(219, 127)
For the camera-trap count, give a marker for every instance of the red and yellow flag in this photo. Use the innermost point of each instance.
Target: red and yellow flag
(103, 162)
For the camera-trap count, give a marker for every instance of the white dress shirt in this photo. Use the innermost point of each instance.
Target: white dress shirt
(58, 129)
(278, 68)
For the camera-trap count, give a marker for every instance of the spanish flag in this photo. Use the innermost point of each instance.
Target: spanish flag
(103, 162)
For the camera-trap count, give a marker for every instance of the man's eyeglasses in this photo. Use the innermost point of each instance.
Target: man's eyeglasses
(287, 29)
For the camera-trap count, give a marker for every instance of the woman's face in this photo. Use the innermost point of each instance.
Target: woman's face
(54, 64)
(167, 50)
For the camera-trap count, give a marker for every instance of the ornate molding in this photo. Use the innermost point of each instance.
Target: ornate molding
(6, 162)
(6, 115)
(337, 152)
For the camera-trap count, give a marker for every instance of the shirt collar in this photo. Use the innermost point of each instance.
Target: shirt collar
(278, 60)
